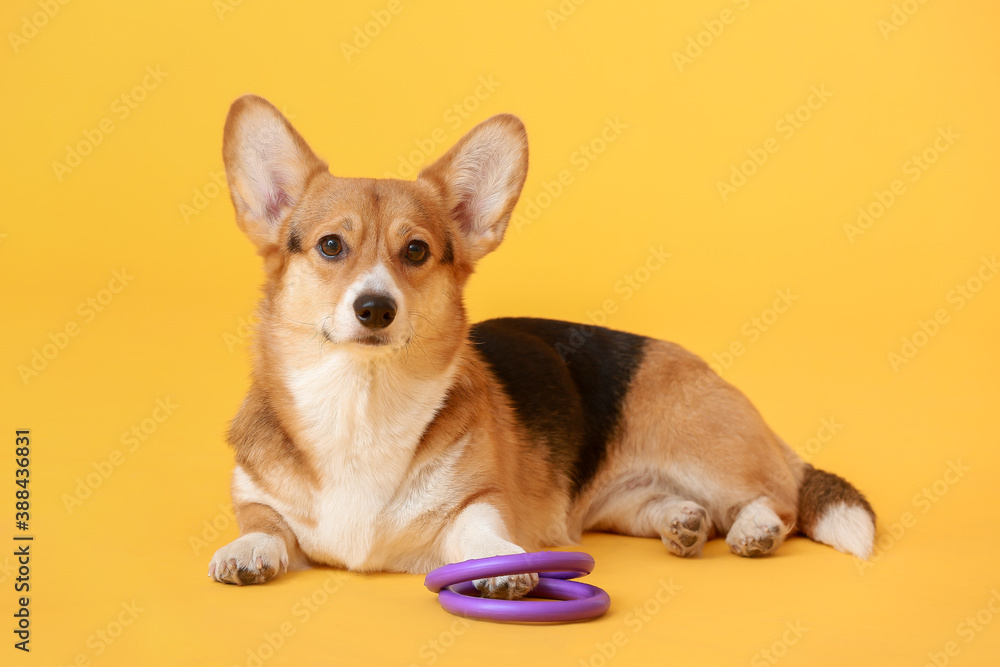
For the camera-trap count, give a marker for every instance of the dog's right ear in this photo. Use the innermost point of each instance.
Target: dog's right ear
(268, 166)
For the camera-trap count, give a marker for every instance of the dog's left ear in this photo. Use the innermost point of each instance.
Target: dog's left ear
(481, 178)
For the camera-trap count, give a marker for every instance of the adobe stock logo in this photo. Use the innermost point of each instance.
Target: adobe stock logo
(101, 640)
(752, 329)
(713, 29)
(900, 16)
(363, 35)
(967, 629)
(204, 195)
(779, 649)
(625, 288)
(923, 501)
(132, 440)
(958, 298)
(581, 158)
(786, 126)
(914, 168)
(562, 12)
(121, 107)
(30, 25)
(635, 621)
(59, 340)
(409, 164)
(270, 643)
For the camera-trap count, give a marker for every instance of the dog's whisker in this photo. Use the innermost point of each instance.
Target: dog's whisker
(422, 337)
(429, 320)
(417, 337)
(309, 340)
(307, 324)
(324, 338)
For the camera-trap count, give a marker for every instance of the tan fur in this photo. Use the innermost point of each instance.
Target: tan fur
(397, 449)
(688, 435)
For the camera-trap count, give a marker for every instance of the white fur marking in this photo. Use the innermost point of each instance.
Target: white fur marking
(363, 421)
(379, 280)
(847, 528)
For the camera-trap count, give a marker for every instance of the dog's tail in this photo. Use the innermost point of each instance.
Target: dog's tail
(833, 512)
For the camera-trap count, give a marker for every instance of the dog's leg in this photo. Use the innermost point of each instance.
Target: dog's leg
(759, 528)
(479, 532)
(261, 553)
(683, 525)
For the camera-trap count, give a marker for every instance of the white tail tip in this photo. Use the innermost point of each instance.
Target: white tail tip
(847, 528)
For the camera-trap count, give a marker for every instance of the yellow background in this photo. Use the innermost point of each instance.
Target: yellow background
(169, 334)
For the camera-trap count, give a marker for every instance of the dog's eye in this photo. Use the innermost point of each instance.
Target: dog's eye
(331, 245)
(416, 251)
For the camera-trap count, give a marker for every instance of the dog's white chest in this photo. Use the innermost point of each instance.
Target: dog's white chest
(362, 427)
(346, 514)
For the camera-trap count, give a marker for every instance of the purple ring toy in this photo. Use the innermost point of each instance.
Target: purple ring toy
(576, 601)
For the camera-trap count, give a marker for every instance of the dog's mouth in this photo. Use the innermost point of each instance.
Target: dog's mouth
(369, 340)
(373, 340)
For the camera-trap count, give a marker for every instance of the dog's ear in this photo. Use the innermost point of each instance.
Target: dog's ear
(268, 166)
(481, 178)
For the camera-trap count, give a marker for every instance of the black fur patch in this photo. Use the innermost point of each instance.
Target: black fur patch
(567, 383)
(294, 242)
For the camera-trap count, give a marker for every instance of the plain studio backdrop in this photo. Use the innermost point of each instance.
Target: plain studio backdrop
(802, 193)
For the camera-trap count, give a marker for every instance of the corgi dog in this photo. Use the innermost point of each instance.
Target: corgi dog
(382, 432)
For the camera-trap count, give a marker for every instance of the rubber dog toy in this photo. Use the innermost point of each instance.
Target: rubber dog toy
(563, 600)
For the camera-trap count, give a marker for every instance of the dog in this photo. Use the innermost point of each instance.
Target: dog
(382, 432)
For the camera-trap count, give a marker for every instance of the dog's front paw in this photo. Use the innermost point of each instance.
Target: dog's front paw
(253, 558)
(508, 587)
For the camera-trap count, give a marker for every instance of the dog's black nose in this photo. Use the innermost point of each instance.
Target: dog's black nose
(374, 310)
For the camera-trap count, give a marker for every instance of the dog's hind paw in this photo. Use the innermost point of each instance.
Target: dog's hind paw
(686, 528)
(757, 531)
